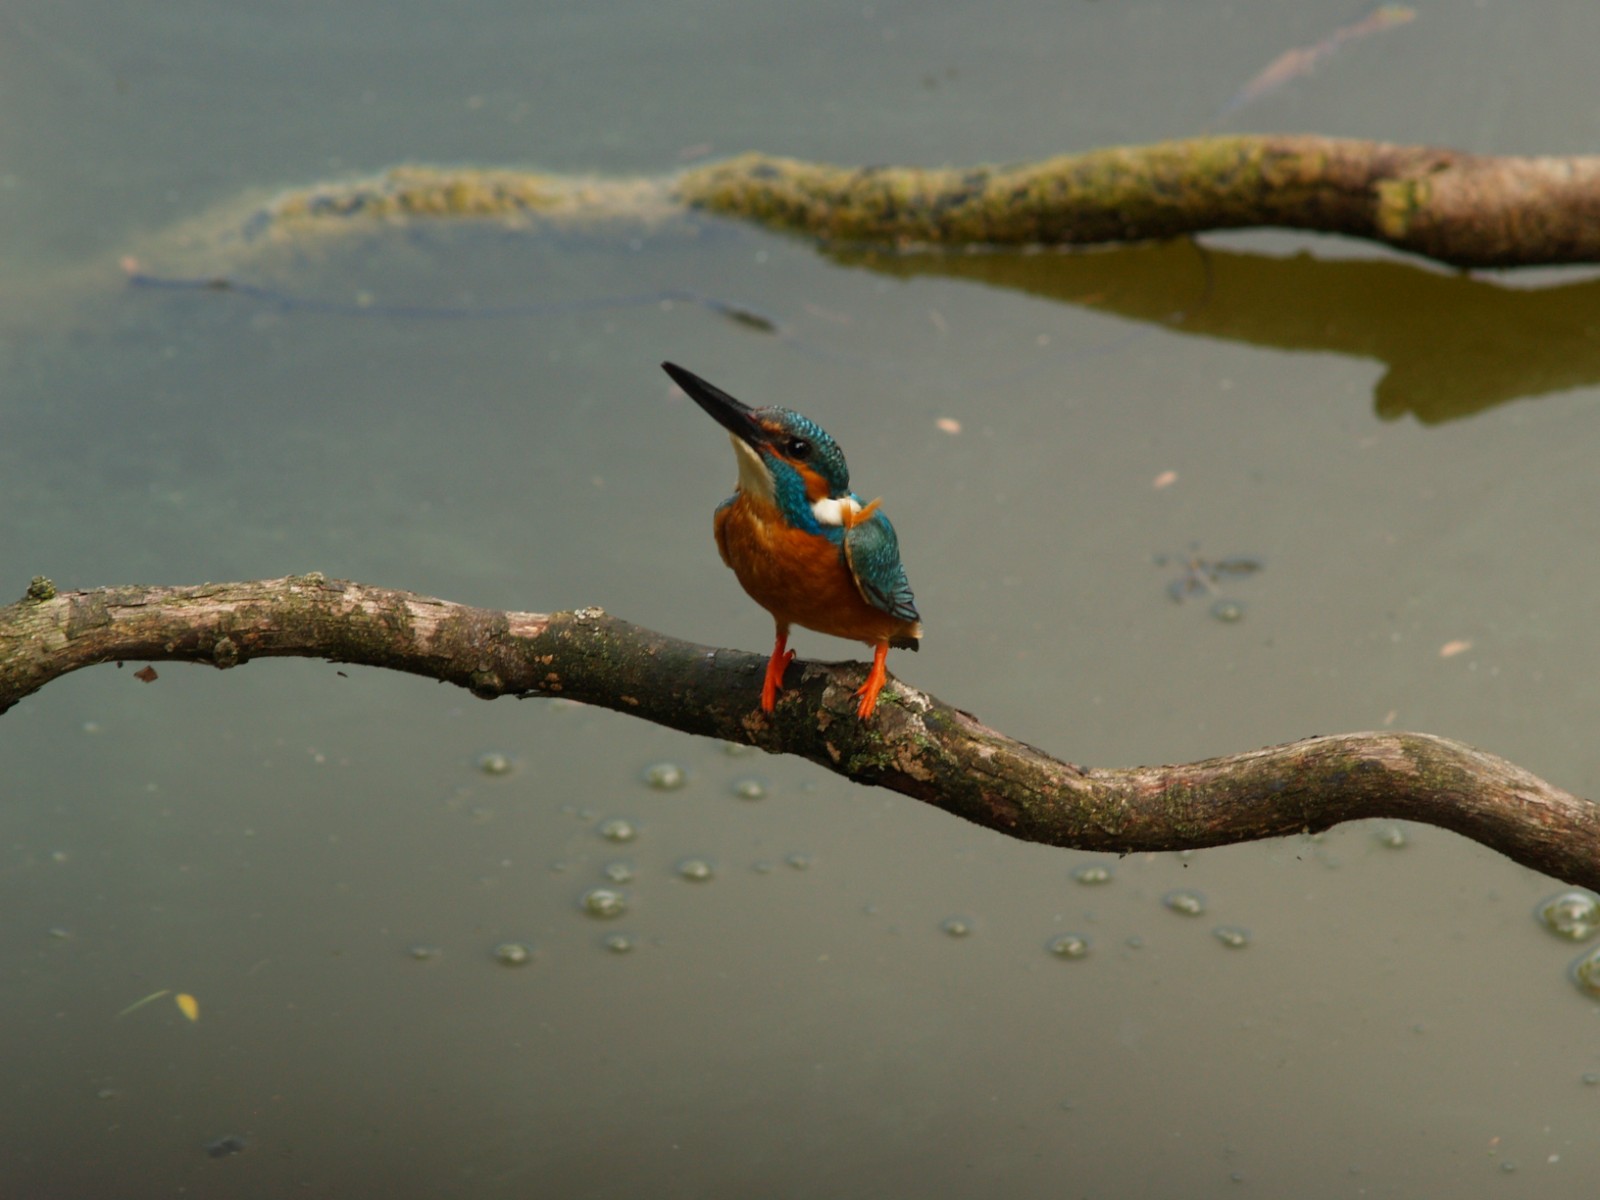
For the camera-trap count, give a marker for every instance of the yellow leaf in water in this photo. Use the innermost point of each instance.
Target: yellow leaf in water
(188, 1005)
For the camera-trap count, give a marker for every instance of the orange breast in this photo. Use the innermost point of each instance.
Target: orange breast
(800, 578)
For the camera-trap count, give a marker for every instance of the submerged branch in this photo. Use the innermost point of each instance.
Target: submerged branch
(915, 744)
(1466, 210)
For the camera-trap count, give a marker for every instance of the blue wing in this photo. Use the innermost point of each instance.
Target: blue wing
(872, 552)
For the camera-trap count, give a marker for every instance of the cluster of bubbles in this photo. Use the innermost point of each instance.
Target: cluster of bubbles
(1574, 916)
(1072, 945)
(609, 901)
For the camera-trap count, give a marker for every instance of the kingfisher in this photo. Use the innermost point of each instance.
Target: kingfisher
(801, 543)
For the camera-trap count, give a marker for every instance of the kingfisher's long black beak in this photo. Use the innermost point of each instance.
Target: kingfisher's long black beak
(733, 415)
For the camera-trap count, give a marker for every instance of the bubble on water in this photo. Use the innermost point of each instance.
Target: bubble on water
(665, 776)
(619, 871)
(496, 762)
(1068, 945)
(618, 943)
(750, 789)
(1092, 873)
(513, 954)
(1573, 915)
(1585, 972)
(1391, 837)
(1186, 901)
(696, 870)
(1235, 937)
(1228, 611)
(604, 903)
(618, 829)
(956, 927)
(423, 952)
(798, 861)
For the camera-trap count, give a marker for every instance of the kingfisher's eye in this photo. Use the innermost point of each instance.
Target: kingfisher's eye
(797, 448)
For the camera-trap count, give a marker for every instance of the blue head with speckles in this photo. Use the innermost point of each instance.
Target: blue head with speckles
(784, 456)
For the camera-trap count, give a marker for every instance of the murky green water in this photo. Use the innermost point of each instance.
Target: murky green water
(321, 860)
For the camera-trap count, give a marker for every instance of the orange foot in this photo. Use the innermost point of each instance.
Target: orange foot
(876, 678)
(776, 665)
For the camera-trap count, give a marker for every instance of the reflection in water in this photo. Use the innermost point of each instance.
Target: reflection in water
(1454, 344)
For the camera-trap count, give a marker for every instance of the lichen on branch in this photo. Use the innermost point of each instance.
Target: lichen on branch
(915, 744)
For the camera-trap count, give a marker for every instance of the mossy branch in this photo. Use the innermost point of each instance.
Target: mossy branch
(915, 744)
(1467, 210)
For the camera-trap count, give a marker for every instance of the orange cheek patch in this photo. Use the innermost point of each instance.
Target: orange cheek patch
(816, 487)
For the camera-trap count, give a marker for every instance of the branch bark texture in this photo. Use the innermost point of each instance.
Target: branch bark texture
(915, 744)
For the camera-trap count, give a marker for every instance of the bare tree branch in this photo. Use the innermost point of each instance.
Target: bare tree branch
(915, 744)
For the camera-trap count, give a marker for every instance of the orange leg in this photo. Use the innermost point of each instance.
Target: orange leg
(876, 678)
(776, 665)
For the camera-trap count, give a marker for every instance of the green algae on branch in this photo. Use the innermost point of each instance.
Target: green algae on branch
(419, 191)
(261, 220)
(1461, 209)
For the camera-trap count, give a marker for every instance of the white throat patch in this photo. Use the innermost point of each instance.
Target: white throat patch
(829, 511)
(753, 477)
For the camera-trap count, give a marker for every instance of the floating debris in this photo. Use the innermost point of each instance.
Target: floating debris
(1200, 577)
(187, 1005)
(138, 1004)
(1302, 60)
(225, 1146)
